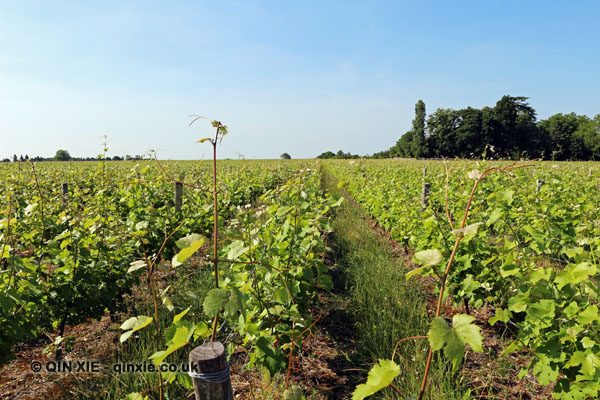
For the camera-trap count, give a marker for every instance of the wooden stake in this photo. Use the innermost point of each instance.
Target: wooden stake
(425, 196)
(178, 196)
(210, 359)
(65, 194)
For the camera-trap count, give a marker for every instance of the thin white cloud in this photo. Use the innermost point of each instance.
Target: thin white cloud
(480, 47)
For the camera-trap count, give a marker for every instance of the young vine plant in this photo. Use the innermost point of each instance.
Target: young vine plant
(266, 266)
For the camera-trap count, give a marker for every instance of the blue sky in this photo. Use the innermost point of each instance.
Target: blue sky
(297, 77)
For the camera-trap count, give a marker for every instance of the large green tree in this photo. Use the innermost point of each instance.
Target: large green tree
(442, 126)
(403, 147)
(62, 155)
(560, 129)
(513, 116)
(589, 131)
(418, 144)
(470, 136)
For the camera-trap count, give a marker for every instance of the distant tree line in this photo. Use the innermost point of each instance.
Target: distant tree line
(63, 155)
(507, 130)
(339, 154)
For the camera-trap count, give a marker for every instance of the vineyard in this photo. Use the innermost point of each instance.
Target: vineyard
(181, 253)
(66, 253)
(530, 251)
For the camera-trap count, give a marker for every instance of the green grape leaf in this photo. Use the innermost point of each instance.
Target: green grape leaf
(541, 309)
(571, 309)
(522, 373)
(188, 245)
(455, 349)
(135, 265)
(294, 393)
(187, 240)
(467, 332)
(576, 359)
(236, 249)
(588, 315)
(427, 257)
(180, 338)
(214, 301)
(134, 324)
(416, 271)
(497, 213)
(166, 300)
(181, 315)
(380, 376)
(545, 372)
(574, 274)
(338, 202)
(235, 304)
(587, 343)
(138, 322)
(281, 295)
(232, 302)
(140, 226)
(136, 396)
(185, 380)
(501, 315)
(468, 230)
(454, 339)
(589, 362)
(202, 330)
(474, 174)
(516, 304)
(438, 332)
(508, 195)
(269, 355)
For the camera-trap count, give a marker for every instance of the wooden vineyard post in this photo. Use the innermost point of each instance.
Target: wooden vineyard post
(424, 172)
(591, 172)
(178, 196)
(209, 370)
(539, 183)
(425, 196)
(65, 194)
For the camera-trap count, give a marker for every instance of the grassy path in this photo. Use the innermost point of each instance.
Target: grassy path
(384, 307)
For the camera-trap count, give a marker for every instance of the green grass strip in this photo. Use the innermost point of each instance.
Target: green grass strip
(384, 306)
